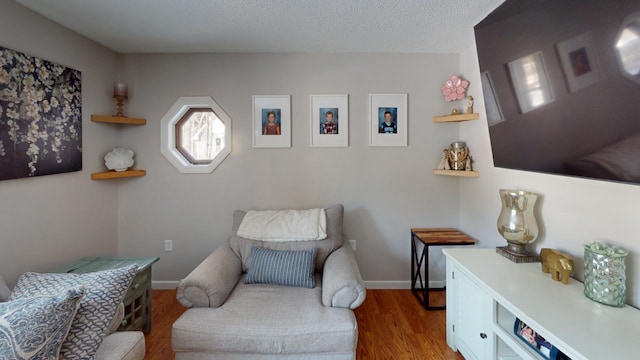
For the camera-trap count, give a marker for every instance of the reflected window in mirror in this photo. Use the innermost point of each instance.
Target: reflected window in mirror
(530, 82)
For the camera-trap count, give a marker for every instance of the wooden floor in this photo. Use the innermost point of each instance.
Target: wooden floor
(391, 325)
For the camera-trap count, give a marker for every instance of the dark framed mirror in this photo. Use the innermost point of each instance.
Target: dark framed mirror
(561, 80)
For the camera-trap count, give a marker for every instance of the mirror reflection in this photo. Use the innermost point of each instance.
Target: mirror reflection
(628, 47)
(562, 81)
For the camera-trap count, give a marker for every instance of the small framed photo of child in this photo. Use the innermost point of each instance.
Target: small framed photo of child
(272, 121)
(330, 120)
(388, 120)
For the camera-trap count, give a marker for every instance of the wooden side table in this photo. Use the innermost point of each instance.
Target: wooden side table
(137, 300)
(431, 237)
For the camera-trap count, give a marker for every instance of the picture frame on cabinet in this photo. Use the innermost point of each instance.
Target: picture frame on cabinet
(272, 121)
(329, 120)
(388, 120)
(538, 343)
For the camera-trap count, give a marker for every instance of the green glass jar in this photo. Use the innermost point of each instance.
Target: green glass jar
(604, 274)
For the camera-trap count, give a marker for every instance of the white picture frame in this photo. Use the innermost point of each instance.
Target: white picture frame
(579, 62)
(491, 102)
(329, 120)
(531, 94)
(396, 106)
(268, 136)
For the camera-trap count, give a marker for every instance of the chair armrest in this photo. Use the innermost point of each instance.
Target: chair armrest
(122, 345)
(211, 282)
(5, 292)
(342, 284)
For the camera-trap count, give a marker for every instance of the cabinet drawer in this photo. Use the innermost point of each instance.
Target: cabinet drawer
(136, 314)
(138, 286)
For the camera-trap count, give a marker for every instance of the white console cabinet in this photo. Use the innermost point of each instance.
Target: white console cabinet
(486, 293)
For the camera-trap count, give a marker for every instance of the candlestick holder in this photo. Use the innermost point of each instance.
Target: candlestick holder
(120, 93)
(120, 100)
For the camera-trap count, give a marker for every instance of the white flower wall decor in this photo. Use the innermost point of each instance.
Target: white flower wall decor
(40, 117)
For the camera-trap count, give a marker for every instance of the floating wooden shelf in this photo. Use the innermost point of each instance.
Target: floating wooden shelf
(117, 174)
(118, 120)
(456, 118)
(462, 173)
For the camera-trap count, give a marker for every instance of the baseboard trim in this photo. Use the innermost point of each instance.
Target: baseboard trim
(398, 284)
(373, 285)
(164, 285)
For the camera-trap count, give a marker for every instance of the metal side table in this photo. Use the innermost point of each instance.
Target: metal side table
(420, 263)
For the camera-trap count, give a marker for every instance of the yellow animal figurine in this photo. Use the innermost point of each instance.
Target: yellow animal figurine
(557, 264)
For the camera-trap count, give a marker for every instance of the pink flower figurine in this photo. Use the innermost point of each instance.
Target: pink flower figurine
(454, 88)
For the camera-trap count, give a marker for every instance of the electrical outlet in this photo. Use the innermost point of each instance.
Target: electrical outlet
(353, 244)
(168, 245)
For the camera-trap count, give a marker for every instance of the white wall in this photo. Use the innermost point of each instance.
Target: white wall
(386, 191)
(574, 211)
(50, 220)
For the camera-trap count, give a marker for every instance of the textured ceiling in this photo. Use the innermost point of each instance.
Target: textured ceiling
(267, 26)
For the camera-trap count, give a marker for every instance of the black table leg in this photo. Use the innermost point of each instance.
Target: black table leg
(422, 291)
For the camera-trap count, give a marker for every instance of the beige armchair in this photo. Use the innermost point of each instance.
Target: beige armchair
(230, 319)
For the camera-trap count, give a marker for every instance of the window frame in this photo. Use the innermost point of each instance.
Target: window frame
(178, 111)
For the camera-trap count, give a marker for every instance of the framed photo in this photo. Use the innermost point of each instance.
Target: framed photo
(531, 94)
(329, 120)
(272, 121)
(492, 105)
(579, 62)
(387, 119)
(530, 337)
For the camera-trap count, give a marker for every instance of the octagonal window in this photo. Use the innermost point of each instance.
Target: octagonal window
(200, 136)
(196, 135)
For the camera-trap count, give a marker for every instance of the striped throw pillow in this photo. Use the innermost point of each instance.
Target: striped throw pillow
(282, 267)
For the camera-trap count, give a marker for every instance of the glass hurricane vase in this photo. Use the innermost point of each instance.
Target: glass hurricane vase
(517, 222)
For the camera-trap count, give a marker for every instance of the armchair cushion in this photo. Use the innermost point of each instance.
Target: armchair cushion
(282, 267)
(35, 327)
(261, 321)
(242, 246)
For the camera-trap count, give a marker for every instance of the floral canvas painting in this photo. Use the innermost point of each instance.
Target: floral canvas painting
(40, 117)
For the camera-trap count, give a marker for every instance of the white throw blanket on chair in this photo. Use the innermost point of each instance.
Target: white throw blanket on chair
(284, 225)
